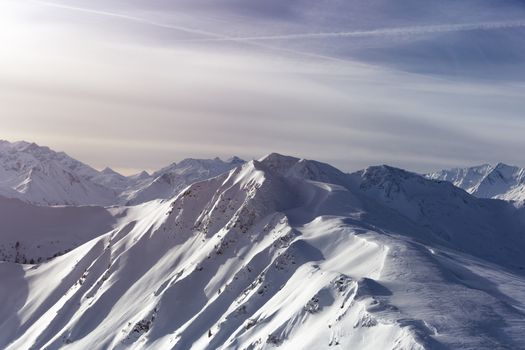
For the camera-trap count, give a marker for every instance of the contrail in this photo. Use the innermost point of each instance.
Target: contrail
(259, 41)
(394, 31)
(134, 19)
(210, 36)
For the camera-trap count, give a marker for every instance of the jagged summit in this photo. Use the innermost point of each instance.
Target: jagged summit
(509, 173)
(277, 158)
(189, 164)
(466, 178)
(168, 181)
(391, 181)
(235, 159)
(109, 171)
(139, 176)
(382, 173)
(40, 175)
(304, 168)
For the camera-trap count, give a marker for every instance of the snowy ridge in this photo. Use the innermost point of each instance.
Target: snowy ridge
(486, 181)
(283, 252)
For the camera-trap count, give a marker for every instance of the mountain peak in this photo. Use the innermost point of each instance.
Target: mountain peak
(304, 168)
(169, 181)
(278, 162)
(378, 174)
(401, 186)
(142, 175)
(278, 158)
(24, 146)
(236, 160)
(40, 175)
(501, 181)
(108, 171)
(505, 169)
(197, 161)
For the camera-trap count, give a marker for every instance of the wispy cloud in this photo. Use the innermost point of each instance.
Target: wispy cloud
(131, 18)
(209, 36)
(105, 96)
(390, 31)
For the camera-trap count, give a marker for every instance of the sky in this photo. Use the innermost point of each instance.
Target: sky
(138, 84)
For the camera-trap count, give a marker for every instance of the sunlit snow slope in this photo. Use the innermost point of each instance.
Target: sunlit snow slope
(280, 252)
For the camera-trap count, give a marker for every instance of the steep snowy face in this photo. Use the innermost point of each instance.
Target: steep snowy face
(486, 181)
(444, 214)
(170, 180)
(39, 175)
(280, 252)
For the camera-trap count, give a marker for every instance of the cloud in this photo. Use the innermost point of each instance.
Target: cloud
(392, 31)
(130, 18)
(110, 99)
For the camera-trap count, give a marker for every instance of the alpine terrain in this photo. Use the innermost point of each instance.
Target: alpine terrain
(39, 175)
(279, 252)
(486, 181)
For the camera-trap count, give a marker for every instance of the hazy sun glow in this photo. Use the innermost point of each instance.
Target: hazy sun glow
(132, 85)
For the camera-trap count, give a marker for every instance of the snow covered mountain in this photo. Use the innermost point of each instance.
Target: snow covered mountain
(39, 175)
(486, 181)
(42, 176)
(168, 181)
(281, 252)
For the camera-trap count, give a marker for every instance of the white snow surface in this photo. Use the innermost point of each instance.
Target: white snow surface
(501, 181)
(276, 253)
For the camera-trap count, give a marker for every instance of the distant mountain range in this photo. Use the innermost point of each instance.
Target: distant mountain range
(39, 175)
(486, 181)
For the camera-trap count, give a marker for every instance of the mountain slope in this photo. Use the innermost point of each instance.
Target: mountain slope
(284, 252)
(501, 181)
(33, 233)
